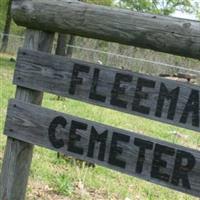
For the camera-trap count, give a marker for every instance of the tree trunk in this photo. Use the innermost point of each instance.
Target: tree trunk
(6, 28)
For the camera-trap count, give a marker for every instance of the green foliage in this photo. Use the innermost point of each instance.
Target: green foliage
(3, 9)
(14, 28)
(63, 184)
(197, 10)
(99, 2)
(164, 7)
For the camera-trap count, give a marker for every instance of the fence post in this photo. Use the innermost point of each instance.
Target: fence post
(18, 154)
(62, 49)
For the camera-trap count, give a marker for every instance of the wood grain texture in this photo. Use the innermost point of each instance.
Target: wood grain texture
(18, 154)
(128, 152)
(156, 98)
(160, 33)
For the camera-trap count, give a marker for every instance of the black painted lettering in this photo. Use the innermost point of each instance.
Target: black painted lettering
(143, 145)
(74, 137)
(119, 90)
(158, 163)
(139, 95)
(57, 143)
(116, 149)
(181, 170)
(75, 80)
(96, 137)
(169, 95)
(192, 106)
(93, 90)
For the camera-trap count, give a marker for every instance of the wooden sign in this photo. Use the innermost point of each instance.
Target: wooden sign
(156, 98)
(156, 161)
(152, 97)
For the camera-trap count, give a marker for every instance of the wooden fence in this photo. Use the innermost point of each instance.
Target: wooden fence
(156, 98)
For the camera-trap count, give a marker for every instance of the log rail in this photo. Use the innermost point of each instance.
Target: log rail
(161, 33)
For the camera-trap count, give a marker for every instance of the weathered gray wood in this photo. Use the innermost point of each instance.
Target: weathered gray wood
(160, 33)
(71, 41)
(45, 72)
(61, 44)
(18, 154)
(137, 155)
(62, 49)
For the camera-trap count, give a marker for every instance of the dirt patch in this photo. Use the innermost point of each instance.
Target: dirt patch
(41, 191)
(83, 193)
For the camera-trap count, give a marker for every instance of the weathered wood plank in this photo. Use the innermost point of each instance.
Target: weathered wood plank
(18, 154)
(153, 160)
(156, 98)
(160, 33)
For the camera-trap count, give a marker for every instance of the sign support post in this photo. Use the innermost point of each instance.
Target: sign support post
(18, 154)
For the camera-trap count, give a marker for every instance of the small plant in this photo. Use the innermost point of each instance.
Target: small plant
(63, 184)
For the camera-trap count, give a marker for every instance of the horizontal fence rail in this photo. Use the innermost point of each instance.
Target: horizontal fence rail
(157, 161)
(152, 97)
(160, 33)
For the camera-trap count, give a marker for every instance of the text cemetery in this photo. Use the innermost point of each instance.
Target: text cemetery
(124, 155)
(118, 149)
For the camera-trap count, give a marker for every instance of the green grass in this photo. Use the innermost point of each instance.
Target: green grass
(75, 180)
(3, 10)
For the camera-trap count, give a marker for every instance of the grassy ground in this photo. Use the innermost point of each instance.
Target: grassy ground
(64, 179)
